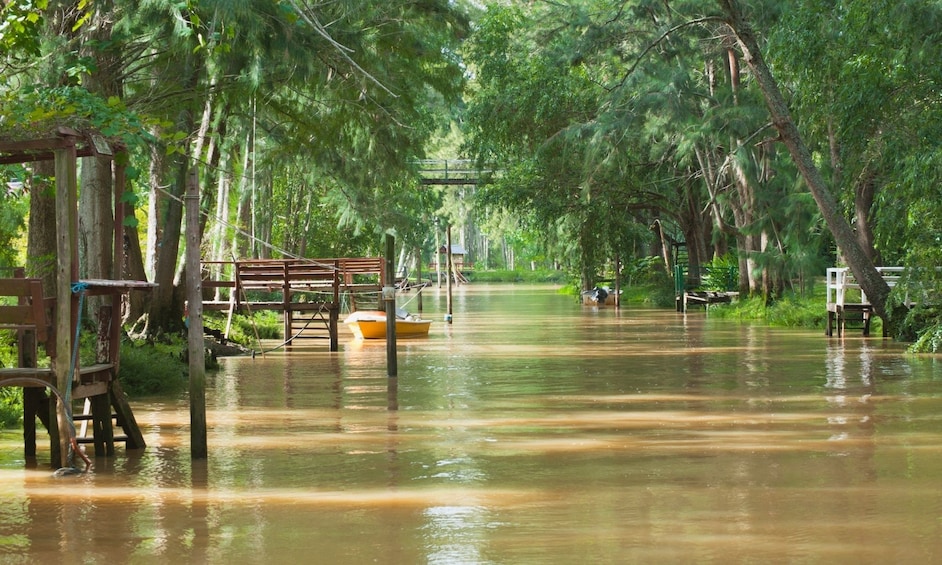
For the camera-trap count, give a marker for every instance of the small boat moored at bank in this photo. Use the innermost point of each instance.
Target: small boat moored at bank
(599, 296)
(371, 324)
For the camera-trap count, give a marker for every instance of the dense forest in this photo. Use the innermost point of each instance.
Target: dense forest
(782, 137)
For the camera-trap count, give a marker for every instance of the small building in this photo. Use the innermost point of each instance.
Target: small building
(457, 256)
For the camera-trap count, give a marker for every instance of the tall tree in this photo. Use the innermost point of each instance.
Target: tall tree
(857, 258)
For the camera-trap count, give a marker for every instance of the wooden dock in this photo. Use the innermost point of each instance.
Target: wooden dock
(689, 288)
(58, 322)
(308, 292)
(848, 303)
(703, 298)
(106, 407)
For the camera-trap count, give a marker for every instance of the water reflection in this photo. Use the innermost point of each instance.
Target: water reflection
(529, 431)
(456, 535)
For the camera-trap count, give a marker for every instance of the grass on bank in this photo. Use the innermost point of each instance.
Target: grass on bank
(792, 310)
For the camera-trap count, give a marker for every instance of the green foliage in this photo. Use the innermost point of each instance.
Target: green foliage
(11, 397)
(11, 406)
(722, 274)
(517, 276)
(36, 111)
(149, 369)
(656, 290)
(13, 210)
(643, 269)
(20, 25)
(526, 119)
(792, 310)
(265, 323)
(922, 327)
(930, 338)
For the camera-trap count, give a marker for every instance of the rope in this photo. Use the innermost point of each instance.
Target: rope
(248, 306)
(320, 309)
(77, 288)
(416, 295)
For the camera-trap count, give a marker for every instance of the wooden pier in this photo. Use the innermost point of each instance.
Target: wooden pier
(308, 292)
(847, 302)
(689, 291)
(54, 321)
(703, 298)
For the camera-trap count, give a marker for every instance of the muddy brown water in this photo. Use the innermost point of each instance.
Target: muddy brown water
(530, 430)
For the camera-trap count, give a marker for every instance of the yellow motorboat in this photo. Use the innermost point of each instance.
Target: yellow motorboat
(371, 324)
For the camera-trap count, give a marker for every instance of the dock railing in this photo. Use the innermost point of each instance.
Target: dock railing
(844, 295)
(843, 288)
(306, 291)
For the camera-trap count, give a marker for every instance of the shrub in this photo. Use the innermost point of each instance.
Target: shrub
(152, 369)
(11, 406)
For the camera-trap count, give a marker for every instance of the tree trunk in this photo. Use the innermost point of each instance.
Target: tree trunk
(96, 220)
(133, 269)
(241, 245)
(96, 224)
(154, 208)
(160, 316)
(860, 265)
(665, 247)
(41, 236)
(707, 162)
(166, 313)
(863, 203)
(218, 231)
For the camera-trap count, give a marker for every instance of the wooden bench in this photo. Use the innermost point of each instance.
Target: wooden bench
(303, 289)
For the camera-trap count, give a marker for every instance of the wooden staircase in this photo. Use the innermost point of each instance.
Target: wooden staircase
(83, 432)
(314, 324)
(101, 415)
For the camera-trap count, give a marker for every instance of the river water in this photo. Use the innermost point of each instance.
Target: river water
(530, 430)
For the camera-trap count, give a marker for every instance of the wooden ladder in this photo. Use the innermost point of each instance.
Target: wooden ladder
(313, 324)
(83, 433)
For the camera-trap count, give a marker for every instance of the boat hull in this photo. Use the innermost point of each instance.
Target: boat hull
(373, 326)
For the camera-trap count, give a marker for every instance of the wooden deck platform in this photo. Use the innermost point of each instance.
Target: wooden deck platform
(703, 298)
(848, 303)
(306, 291)
(32, 320)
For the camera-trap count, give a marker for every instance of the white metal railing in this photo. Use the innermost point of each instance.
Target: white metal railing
(840, 280)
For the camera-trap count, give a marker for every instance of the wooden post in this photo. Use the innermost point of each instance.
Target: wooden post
(438, 257)
(333, 324)
(389, 298)
(418, 274)
(617, 281)
(66, 234)
(195, 348)
(450, 272)
(102, 428)
(117, 265)
(34, 402)
(286, 302)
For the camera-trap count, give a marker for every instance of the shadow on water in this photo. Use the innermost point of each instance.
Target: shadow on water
(530, 430)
